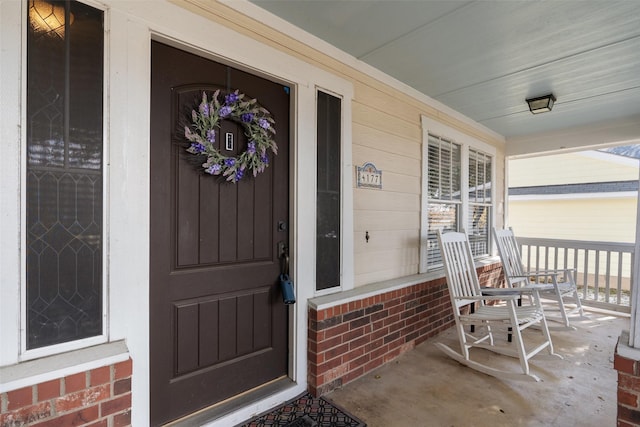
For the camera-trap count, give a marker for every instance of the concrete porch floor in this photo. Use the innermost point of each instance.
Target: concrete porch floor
(424, 387)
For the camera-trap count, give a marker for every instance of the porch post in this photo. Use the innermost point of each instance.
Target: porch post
(634, 335)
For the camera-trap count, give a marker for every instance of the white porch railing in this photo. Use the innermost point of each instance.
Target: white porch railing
(604, 270)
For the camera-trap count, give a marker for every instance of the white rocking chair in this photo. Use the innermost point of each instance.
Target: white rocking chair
(464, 289)
(561, 283)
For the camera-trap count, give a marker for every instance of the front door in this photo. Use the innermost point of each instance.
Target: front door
(218, 326)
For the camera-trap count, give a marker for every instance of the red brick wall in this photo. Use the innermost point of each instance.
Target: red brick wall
(628, 389)
(348, 340)
(100, 397)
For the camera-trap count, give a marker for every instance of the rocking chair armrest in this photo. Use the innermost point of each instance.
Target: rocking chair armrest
(561, 269)
(506, 296)
(533, 287)
(519, 290)
(488, 290)
(539, 273)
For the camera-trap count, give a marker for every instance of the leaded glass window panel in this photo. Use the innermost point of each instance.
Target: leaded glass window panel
(64, 207)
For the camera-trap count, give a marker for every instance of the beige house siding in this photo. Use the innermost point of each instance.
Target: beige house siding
(393, 145)
(609, 217)
(571, 168)
(596, 219)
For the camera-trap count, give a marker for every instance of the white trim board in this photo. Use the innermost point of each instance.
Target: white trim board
(574, 196)
(61, 365)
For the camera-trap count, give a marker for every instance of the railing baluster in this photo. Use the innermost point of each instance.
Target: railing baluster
(586, 272)
(576, 253)
(566, 261)
(619, 287)
(546, 258)
(596, 282)
(608, 277)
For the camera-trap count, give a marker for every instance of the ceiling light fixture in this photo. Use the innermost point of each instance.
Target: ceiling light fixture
(48, 17)
(541, 104)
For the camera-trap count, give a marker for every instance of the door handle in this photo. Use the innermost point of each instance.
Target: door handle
(283, 254)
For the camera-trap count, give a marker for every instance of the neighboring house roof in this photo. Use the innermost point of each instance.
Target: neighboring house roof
(632, 151)
(593, 187)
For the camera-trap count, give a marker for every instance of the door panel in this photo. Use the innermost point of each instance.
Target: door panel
(218, 324)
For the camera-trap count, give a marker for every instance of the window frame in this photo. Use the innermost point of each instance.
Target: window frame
(29, 354)
(483, 202)
(466, 142)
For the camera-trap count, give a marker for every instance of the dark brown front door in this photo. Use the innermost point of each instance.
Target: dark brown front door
(218, 326)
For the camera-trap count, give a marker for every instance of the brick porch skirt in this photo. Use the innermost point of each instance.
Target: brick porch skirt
(99, 397)
(627, 362)
(348, 340)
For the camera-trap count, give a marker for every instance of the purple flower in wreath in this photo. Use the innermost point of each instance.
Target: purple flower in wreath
(225, 111)
(211, 136)
(197, 147)
(229, 162)
(264, 158)
(204, 109)
(247, 117)
(251, 147)
(231, 98)
(214, 169)
(239, 174)
(264, 123)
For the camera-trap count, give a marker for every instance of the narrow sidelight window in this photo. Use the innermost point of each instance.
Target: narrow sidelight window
(64, 193)
(328, 195)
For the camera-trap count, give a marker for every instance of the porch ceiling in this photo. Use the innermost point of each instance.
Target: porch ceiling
(484, 58)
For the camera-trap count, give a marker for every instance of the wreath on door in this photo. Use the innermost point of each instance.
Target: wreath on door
(258, 127)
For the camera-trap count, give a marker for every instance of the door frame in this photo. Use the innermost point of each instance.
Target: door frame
(201, 29)
(180, 389)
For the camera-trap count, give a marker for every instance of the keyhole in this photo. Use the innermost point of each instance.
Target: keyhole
(366, 236)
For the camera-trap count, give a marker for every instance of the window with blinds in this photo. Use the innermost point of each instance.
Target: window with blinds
(458, 196)
(444, 192)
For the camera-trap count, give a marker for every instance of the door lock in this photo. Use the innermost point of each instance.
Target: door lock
(283, 249)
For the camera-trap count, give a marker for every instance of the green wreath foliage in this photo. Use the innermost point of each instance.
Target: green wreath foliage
(259, 128)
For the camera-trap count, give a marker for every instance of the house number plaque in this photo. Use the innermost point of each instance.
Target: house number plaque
(368, 176)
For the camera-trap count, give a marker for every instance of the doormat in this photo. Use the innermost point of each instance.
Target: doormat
(306, 411)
